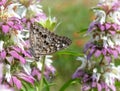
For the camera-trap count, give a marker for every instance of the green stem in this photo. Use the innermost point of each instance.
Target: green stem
(101, 61)
(37, 89)
(42, 73)
(92, 89)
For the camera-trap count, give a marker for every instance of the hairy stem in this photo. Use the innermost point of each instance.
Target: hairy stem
(42, 73)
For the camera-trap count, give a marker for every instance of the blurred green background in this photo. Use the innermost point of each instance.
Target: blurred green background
(73, 16)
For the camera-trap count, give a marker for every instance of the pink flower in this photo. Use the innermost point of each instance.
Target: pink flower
(17, 64)
(15, 23)
(5, 28)
(17, 56)
(2, 2)
(78, 73)
(5, 88)
(36, 73)
(3, 55)
(27, 78)
(17, 82)
(12, 23)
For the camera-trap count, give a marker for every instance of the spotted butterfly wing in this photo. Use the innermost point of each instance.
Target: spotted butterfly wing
(44, 42)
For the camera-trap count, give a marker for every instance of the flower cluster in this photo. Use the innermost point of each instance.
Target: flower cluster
(17, 65)
(98, 69)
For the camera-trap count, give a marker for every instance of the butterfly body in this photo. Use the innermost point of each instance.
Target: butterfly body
(44, 42)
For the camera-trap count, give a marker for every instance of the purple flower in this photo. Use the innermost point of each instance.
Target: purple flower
(17, 56)
(26, 54)
(2, 55)
(91, 52)
(17, 64)
(27, 78)
(36, 73)
(79, 73)
(50, 70)
(17, 82)
(12, 24)
(108, 59)
(41, 16)
(85, 87)
(92, 27)
(99, 87)
(107, 26)
(5, 88)
(112, 32)
(98, 71)
(97, 53)
(101, 26)
(115, 53)
(2, 2)
(5, 28)
(15, 23)
(116, 6)
(17, 49)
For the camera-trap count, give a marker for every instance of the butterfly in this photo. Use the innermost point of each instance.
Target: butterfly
(44, 42)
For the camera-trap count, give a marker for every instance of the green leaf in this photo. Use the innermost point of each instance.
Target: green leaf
(83, 30)
(70, 53)
(27, 87)
(52, 26)
(67, 84)
(47, 23)
(47, 85)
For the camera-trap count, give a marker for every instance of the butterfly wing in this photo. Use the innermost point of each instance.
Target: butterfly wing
(44, 42)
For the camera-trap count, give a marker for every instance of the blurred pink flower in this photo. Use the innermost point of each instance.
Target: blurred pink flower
(17, 82)
(17, 56)
(2, 2)
(5, 28)
(5, 88)
(16, 62)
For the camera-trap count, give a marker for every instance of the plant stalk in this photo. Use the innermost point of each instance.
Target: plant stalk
(42, 74)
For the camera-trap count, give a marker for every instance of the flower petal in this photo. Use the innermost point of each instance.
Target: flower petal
(27, 78)
(5, 28)
(14, 54)
(3, 55)
(10, 23)
(17, 82)
(97, 53)
(37, 73)
(107, 26)
(17, 56)
(99, 87)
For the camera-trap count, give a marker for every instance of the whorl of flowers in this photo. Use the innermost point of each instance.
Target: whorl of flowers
(17, 65)
(98, 69)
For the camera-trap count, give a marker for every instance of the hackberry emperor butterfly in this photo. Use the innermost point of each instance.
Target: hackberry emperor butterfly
(44, 42)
